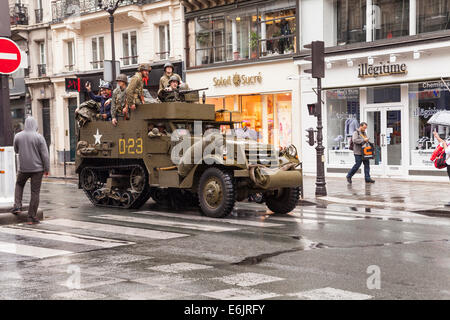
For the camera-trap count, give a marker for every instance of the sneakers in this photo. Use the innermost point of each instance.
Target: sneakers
(16, 210)
(349, 180)
(370, 181)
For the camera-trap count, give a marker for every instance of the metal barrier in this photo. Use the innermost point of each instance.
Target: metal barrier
(7, 175)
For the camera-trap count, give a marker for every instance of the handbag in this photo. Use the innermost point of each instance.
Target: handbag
(368, 151)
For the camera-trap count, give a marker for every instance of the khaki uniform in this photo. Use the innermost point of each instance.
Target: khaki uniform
(169, 96)
(118, 102)
(164, 81)
(135, 90)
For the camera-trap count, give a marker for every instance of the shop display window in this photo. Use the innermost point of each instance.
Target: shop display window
(351, 21)
(267, 116)
(343, 117)
(391, 19)
(383, 94)
(426, 99)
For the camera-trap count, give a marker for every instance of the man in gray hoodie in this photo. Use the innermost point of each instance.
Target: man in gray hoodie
(33, 163)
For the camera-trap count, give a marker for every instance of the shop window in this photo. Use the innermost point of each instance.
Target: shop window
(210, 39)
(343, 117)
(425, 100)
(432, 15)
(384, 94)
(264, 118)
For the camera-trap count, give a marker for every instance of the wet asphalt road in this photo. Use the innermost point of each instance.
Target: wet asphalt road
(317, 252)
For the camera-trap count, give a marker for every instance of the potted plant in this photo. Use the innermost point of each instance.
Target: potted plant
(254, 41)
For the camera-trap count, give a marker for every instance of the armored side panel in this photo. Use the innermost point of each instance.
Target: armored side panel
(175, 110)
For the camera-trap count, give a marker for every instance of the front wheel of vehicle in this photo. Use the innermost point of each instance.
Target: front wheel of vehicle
(216, 193)
(283, 200)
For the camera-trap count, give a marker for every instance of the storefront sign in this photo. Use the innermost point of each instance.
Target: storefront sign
(425, 112)
(73, 84)
(237, 80)
(384, 69)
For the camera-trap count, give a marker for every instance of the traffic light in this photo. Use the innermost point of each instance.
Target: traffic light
(313, 109)
(317, 59)
(310, 136)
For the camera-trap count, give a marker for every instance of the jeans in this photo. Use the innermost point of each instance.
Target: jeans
(358, 161)
(36, 181)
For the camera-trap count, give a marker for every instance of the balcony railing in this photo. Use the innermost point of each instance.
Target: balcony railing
(62, 9)
(39, 15)
(18, 14)
(42, 70)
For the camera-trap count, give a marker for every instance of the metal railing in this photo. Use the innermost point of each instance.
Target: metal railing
(62, 9)
(18, 14)
(38, 15)
(42, 70)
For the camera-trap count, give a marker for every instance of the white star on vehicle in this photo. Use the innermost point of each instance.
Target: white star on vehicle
(97, 137)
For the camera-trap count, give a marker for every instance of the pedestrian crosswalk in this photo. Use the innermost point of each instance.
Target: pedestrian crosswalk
(56, 237)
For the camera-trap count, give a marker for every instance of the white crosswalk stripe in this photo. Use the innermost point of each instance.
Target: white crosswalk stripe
(168, 223)
(260, 224)
(30, 251)
(64, 237)
(146, 233)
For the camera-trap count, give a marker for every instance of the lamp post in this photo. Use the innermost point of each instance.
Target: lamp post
(111, 7)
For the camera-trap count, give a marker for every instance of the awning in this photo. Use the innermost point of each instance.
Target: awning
(194, 5)
(440, 118)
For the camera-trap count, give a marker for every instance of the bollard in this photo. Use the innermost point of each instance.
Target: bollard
(7, 175)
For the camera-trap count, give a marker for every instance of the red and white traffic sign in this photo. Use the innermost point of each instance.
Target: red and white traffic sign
(9, 56)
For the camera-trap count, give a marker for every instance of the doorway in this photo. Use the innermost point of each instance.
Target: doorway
(72, 105)
(384, 129)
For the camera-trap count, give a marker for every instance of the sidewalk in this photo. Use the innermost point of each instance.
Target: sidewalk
(387, 193)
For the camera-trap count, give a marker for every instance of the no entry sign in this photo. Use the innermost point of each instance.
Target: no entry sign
(9, 56)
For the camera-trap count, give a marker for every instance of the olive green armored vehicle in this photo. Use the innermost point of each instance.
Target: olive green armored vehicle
(178, 154)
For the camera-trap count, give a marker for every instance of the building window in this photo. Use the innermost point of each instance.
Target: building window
(98, 52)
(432, 15)
(129, 45)
(42, 60)
(426, 99)
(266, 116)
(390, 19)
(351, 21)
(343, 116)
(261, 30)
(70, 55)
(164, 42)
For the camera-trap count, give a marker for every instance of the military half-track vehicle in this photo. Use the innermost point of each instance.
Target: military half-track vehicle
(172, 152)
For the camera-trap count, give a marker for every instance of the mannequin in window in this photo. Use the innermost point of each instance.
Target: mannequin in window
(285, 30)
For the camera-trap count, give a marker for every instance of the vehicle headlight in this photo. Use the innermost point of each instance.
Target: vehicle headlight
(291, 150)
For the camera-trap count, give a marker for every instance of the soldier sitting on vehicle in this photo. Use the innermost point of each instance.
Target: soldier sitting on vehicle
(104, 99)
(168, 73)
(135, 90)
(171, 92)
(118, 99)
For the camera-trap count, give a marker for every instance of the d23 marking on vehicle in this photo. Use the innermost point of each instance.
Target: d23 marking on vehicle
(131, 146)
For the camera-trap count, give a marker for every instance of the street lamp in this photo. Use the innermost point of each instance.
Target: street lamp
(111, 6)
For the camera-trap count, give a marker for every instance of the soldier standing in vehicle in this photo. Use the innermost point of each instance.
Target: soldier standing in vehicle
(168, 73)
(104, 99)
(170, 93)
(118, 98)
(135, 90)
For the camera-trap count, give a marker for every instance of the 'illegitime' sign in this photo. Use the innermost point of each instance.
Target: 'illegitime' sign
(366, 70)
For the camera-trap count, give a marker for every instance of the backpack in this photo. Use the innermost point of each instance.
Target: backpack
(439, 158)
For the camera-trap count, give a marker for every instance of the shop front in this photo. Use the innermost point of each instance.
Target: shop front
(396, 99)
(259, 98)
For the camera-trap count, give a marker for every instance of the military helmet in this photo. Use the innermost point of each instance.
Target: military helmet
(184, 86)
(174, 78)
(168, 64)
(144, 66)
(106, 85)
(122, 77)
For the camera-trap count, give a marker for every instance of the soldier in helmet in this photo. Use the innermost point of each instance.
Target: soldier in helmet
(170, 93)
(104, 99)
(135, 90)
(118, 98)
(168, 72)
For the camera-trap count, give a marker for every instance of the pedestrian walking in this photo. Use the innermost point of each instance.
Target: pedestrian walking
(33, 164)
(359, 138)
